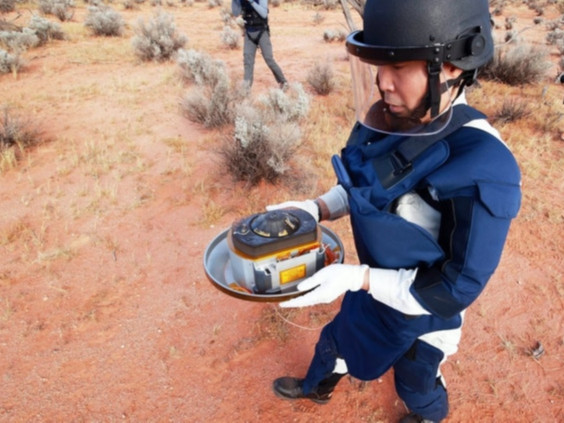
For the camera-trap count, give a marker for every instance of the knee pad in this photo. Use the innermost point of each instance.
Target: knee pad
(417, 369)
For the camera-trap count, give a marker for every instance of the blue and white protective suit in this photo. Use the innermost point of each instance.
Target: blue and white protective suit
(432, 232)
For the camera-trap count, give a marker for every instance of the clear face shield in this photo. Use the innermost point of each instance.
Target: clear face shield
(405, 109)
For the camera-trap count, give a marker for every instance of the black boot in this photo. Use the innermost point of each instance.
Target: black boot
(291, 388)
(414, 418)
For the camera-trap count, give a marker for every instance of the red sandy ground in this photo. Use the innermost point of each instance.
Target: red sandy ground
(106, 313)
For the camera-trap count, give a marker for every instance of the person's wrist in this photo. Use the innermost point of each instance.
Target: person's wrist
(323, 209)
(366, 280)
(319, 215)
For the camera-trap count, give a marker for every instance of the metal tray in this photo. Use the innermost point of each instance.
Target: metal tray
(217, 265)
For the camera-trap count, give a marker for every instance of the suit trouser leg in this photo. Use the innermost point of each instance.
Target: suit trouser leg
(249, 53)
(266, 50)
(321, 370)
(418, 384)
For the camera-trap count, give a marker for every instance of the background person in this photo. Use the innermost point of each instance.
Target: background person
(430, 189)
(257, 35)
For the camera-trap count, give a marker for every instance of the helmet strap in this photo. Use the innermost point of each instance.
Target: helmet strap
(434, 71)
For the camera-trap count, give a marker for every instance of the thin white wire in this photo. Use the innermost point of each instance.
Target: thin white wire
(292, 323)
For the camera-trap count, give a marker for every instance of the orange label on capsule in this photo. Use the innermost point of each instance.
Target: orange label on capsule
(292, 274)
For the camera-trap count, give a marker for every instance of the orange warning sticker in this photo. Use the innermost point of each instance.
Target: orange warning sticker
(292, 274)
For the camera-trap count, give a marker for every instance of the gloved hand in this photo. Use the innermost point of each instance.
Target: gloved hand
(309, 206)
(331, 282)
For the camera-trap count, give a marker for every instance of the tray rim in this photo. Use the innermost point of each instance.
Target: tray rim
(223, 287)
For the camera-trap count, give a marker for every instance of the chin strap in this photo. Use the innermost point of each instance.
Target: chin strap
(436, 89)
(434, 72)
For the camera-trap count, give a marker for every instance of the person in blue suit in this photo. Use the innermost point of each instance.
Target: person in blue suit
(430, 189)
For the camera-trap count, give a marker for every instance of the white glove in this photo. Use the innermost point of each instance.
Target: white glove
(331, 282)
(309, 206)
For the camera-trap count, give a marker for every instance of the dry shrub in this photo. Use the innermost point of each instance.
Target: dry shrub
(19, 41)
(260, 149)
(7, 6)
(266, 131)
(45, 30)
(517, 65)
(266, 136)
(157, 39)
(321, 78)
(16, 135)
(230, 38)
(62, 9)
(290, 105)
(212, 106)
(104, 21)
(212, 101)
(318, 18)
(9, 62)
(511, 110)
(200, 68)
(330, 35)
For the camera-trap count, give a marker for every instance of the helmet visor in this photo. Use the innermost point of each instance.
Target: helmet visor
(373, 108)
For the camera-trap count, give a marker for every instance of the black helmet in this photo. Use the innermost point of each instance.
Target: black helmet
(435, 31)
(455, 31)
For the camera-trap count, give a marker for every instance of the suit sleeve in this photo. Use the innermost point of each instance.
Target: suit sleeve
(261, 7)
(472, 234)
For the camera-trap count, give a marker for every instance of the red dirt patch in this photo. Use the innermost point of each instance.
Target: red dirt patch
(105, 310)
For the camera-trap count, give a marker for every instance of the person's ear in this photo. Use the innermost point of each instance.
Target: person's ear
(451, 71)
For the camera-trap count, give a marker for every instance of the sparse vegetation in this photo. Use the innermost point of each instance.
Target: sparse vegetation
(266, 136)
(511, 110)
(158, 39)
(213, 100)
(9, 62)
(19, 41)
(291, 105)
(16, 135)
(104, 21)
(45, 30)
(321, 78)
(212, 106)
(62, 9)
(517, 65)
(259, 149)
(230, 38)
(128, 195)
(7, 6)
(331, 35)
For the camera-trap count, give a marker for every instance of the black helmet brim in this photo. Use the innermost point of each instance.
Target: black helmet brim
(458, 52)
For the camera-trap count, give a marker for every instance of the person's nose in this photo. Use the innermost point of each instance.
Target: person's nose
(384, 79)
